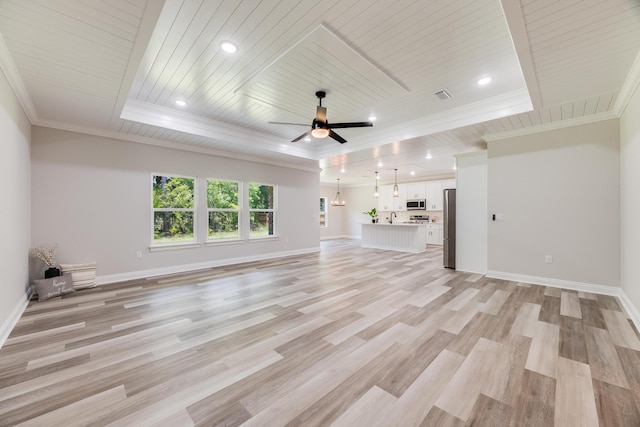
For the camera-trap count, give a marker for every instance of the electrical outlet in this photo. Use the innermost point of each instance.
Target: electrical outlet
(548, 259)
(139, 254)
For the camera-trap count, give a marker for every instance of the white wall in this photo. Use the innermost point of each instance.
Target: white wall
(559, 193)
(91, 195)
(359, 200)
(471, 212)
(15, 205)
(335, 214)
(630, 200)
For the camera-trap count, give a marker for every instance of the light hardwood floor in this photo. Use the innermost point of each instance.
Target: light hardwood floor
(346, 337)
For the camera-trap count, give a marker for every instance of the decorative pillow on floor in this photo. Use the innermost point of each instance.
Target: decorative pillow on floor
(53, 287)
(84, 275)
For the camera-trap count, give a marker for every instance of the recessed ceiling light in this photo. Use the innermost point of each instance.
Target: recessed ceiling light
(413, 173)
(342, 170)
(228, 47)
(428, 156)
(484, 81)
(181, 103)
(308, 138)
(380, 164)
(372, 118)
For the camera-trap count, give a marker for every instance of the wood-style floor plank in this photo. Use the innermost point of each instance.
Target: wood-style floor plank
(347, 336)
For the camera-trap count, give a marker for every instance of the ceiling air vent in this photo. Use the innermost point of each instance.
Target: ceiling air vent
(444, 94)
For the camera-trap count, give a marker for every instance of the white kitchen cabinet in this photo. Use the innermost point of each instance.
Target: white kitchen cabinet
(385, 198)
(416, 190)
(448, 183)
(433, 191)
(400, 202)
(434, 234)
(388, 203)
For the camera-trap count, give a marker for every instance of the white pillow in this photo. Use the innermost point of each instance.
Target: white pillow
(84, 275)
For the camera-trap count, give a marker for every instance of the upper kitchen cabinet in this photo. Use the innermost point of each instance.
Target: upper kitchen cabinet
(433, 191)
(385, 198)
(400, 202)
(386, 201)
(448, 183)
(416, 190)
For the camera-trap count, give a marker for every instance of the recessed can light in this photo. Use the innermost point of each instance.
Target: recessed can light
(181, 103)
(372, 118)
(308, 138)
(484, 81)
(428, 156)
(228, 47)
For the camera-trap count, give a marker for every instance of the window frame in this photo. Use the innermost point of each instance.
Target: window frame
(273, 210)
(238, 211)
(194, 210)
(324, 213)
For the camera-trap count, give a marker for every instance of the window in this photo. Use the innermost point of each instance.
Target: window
(222, 208)
(323, 212)
(173, 209)
(262, 210)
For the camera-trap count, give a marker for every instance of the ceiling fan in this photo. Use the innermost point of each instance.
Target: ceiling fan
(321, 128)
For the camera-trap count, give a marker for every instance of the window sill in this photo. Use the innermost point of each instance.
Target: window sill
(223, 242)
(174, 246)
(263, 239)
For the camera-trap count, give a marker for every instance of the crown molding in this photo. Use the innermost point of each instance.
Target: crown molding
(631, 83)
(551, 126)
(8, 67)
(506, 104)
(295, 162)
(170, 118)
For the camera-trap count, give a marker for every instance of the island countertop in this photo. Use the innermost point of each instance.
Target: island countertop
(403, 224)
(400, 236)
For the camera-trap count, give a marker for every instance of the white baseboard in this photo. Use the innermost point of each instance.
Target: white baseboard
(555, 283)
(13, 318)
(338, 237)
(141, 274)
(632, 311)
(614, 291)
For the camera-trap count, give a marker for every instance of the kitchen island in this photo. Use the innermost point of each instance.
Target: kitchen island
(403, 237)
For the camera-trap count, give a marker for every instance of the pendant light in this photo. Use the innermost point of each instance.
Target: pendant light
(395, 185)
(375, 192)
(338, 201)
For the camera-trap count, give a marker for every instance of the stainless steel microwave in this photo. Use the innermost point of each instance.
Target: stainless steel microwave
(416, 204)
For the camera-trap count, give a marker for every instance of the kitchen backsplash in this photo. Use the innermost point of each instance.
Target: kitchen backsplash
(383, 216)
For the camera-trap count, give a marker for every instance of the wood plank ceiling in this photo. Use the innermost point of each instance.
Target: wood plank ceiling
(117, 68)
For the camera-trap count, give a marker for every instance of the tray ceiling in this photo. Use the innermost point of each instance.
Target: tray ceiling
(116, 68)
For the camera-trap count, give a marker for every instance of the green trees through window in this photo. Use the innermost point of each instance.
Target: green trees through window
(173, 209)
(261, 210)
(222, 206)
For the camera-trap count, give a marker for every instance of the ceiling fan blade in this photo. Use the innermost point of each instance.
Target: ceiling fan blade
(307, 133)
(321, 114)
(337, 137)
(284, 123)
(350, 125)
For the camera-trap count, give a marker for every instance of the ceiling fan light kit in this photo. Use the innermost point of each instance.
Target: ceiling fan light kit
(319, 133)
(321, 128)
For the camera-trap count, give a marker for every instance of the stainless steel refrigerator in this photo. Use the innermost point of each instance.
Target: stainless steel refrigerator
(449, 228)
